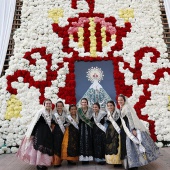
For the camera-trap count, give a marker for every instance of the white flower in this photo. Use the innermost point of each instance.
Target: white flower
(1, 151)
(14, 149)
(20, 79)
(159, 144)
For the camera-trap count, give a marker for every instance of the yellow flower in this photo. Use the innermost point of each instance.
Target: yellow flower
(113, 36)
(93, 42)
(55, 14)
(126, 14)
(14, 107)
(169, 99)
(81, 37)
(103, 34)
(71, 36)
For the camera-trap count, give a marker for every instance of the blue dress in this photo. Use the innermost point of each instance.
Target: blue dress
(130, 150)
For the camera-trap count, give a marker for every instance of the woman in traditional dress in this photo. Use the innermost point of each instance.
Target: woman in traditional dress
(59, 122)
(137, 145)
(99, 134)
(70, 144)
(113, 145)
(37, 146)
(86, 134)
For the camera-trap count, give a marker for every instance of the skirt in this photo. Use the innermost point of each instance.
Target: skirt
(64, 153)
(114, 158)
(137, 159)
(57, 140)
(28, 154)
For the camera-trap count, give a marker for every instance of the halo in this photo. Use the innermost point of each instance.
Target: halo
(95, 74)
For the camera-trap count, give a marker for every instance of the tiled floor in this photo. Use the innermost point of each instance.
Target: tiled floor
(11, 162)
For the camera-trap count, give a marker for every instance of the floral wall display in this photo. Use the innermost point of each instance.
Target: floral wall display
(54, 34)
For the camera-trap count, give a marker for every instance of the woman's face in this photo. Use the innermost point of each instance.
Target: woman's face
(73, 111)
(121, 101)
(48, 105)
(84, 104)
(59, 107)
(110, 107)
(95, 108)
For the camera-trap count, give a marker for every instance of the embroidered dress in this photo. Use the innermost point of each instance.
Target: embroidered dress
(99, 136)
(38, 149)
(86, 135)
(70, 144)
(131, 152)
(59, 120)
(113, 145)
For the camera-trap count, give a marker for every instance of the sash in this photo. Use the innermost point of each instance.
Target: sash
(72, 121)
(60, 123)
(99, 125)
(136, 140)
(117, 128)
(84, 118)
(47, 119)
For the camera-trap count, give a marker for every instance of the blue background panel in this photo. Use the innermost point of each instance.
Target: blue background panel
(82, 83)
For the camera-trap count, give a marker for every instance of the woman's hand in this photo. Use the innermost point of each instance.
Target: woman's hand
(134, 132)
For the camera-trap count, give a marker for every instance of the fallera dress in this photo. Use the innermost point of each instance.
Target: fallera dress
(70, 144)
(99, 136)
(113, 140)
(37, 146)
(132, 153)
(86, 135)
(59, 121)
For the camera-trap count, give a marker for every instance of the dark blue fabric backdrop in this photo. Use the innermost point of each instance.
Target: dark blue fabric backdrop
(82, 83)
